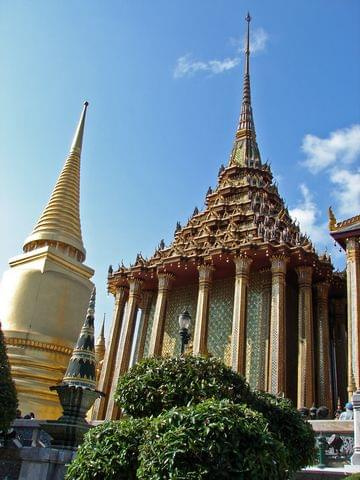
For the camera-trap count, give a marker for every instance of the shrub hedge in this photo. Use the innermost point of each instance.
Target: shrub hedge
(159, 384)
(110, 451)
(212, 440)
(288, 426)
(194, 418)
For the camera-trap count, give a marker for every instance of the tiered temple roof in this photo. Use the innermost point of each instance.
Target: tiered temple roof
(244, 214)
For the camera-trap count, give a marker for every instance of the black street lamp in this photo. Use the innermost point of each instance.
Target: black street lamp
(184, 324)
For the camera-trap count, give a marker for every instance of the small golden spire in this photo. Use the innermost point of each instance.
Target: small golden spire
(60, 220)
(100, 343)
(332, 220)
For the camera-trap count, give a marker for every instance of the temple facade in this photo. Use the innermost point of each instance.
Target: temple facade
(261, 299)
(45, 293)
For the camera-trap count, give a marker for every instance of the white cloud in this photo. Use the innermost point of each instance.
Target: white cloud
(342, 146)
(258, 41)
(187, 66)
(347, 192)
(308, 214)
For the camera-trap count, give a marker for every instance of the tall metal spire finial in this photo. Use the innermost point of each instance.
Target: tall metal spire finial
(246, 123)
(245, 151)
(247, 48)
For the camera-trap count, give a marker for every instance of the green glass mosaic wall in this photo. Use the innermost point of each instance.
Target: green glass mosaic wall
(220, 318)
(180, 299)
(254, 360)
(150, 323)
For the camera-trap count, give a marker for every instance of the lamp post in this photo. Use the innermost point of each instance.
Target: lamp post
(184, 324)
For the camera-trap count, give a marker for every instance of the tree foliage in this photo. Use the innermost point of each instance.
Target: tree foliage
(8, 397)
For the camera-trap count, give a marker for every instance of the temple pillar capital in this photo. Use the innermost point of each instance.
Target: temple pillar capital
(135, 285)
(352, 249)
(322, 291)
(242, 265)
(278, 264)
(165, 281)
(304, 273)
(205, 273)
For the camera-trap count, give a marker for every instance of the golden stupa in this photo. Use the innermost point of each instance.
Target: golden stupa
(45, 293)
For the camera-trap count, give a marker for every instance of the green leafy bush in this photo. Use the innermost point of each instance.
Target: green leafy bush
(159, 384)
(109, 451)
(287, 425)
(203, 422)
(212, 440)
(8, 397)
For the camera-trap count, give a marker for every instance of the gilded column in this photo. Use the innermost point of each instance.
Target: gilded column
(277, 367)
(165, 283)
(265, 330)
(143, 325)
(305, 384)
(341, 351)
(202, 310)
(353, 301)
(125, 345)
(108, 366)
(238, 336)
(323, 350)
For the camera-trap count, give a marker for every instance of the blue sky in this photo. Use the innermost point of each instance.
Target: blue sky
(164, 82)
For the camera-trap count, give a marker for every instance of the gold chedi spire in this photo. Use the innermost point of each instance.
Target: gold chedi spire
(45, 293)
(60, 221)
(245, 152)
(100, 344)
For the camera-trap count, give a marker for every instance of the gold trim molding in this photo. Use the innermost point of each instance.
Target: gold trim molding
(25, 342)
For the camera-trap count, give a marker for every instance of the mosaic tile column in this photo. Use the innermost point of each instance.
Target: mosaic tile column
(238, 336)
(143, 324)
(165, 283)
(265, 330)
(106, 376)
(341, 354)
(305, 384)
(202, 310)
(277, 367)
(353, 309)
(125, 345)
(325, 396)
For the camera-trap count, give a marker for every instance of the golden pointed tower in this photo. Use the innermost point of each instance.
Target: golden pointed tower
(45, 293)
(100, 344)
